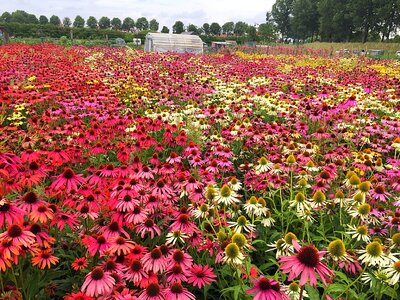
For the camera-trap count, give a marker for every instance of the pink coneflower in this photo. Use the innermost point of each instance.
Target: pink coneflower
(154, 261)
(29, 201)
(79, 263)
(268, 289)
(96, 243)
(153, 292)
(137, 252)
(181, 258)
(42, 237)
(9, 213)
(161, 189)
(201, 275)
(306, 263)
(379, 193)
(78, 296)
(183, 224)
(113, 230)
(136, 216)
(18, 236)
(148, 226)
(134, 272)
(126, 203)
(98, 283)
(41, 213)
(177, 292)
(68, 180)
(175, 272)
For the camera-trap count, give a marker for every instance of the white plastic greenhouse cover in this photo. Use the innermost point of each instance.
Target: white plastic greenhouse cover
(180, 43)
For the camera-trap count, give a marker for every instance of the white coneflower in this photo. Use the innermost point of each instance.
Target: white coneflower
(359, 233)
(300, 202)
(306, 215)
(235, 184)
(294, 291)
(176, 236)
(283, 246)
(393, 273)
(233, 256)
(310, 166)
(268, 221)
(373, 255)
(226, 196)
(361, 212)
(263, 165)
(201, 211)
(251, 206)
(242, 224)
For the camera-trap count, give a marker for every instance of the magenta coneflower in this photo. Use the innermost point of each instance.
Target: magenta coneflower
(120, 245)
(98, 283)
(268, 289)
(154, 261)
(201, 275)
(379, 193)
(177, 292)
(148, 226)
(181, 258)
(136, 216)
(306, 263)
(176, 273)
(183, 224)
(9, 213)
(94, 244)
(68, 180)
(29, 201)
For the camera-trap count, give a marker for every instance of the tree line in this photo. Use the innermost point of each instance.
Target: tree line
(263, 31)
(335, 20)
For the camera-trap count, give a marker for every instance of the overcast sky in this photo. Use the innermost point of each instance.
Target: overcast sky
(165, 11)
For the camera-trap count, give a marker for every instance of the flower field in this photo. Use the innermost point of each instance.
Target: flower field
(130, 175)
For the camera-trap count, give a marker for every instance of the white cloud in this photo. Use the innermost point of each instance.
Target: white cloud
(165, 11)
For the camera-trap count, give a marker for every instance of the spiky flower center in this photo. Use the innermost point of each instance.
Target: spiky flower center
(97, 273)
(68, 173)
(289, 237)
(14, 231)
(364, 186)
(176, 288)
(178, 256)
(374, 249)
(155, 253)
(153, 290)
(396, 239)
(319, 197)
(225, 191)
(363, 230)
(239, 239)
(30, 198)
(242, 221)
(148, 223)
(263, 161)
(232, 251)
(364, 209)
(337, 248)
(294, 287)
(354, 180)
(396, 266)
(101, 240)
(308, 255)
(136, 266)
(300, 197)
(379, 189)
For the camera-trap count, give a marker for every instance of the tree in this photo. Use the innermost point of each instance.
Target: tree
(215, 28)
(79, 22)
(91, 22)
(5, 17)
(55, 20)
(364, 13)
(304, 22)
(128, 24)
(19, 16)
(206, 28)
(154, 25)
(266, 32)
(228, 27)
(178, 27)
(388, 16)
(165, 29)
(142, 23)
(32, 19)
(193, 28)
(67, 22)
(240, 28)
(43, 20)
(104, 23)
(116, 23)
(282, 14)
(252, 33)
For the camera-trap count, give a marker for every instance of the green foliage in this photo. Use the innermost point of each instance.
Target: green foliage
(154, 25)
(215, 28)
(116, 23)
(142, 24)
(67, 22)
(240, 28)
(165, 29)
(91, 22)
(55, 20)
(178, 27)
(79, 22)
(128, 23)
(104, 23)
(228, 28)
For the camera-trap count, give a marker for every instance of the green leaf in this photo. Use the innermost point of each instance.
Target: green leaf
(391, 292)
(312, 293)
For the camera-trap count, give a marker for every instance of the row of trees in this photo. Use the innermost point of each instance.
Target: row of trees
(335, 20)
(22, 17)
(264, 31)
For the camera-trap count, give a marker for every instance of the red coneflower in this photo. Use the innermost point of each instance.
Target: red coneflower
(148, 226)
(98, 283)
(78, 296)
(96, 243)
(67, 180)
(41, 213)
(201, 275)
(44, 259)
(9, 213)
(306, 263)
(120, 245)
(29, 201)
(79, 263)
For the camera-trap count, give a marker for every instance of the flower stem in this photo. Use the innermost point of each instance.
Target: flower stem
(354, 282)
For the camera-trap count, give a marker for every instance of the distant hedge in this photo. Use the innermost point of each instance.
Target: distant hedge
(50, 31)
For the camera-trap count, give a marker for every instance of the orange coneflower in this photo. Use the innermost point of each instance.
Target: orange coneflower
(44, 258)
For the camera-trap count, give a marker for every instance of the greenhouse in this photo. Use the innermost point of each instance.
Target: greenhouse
(180, 43)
